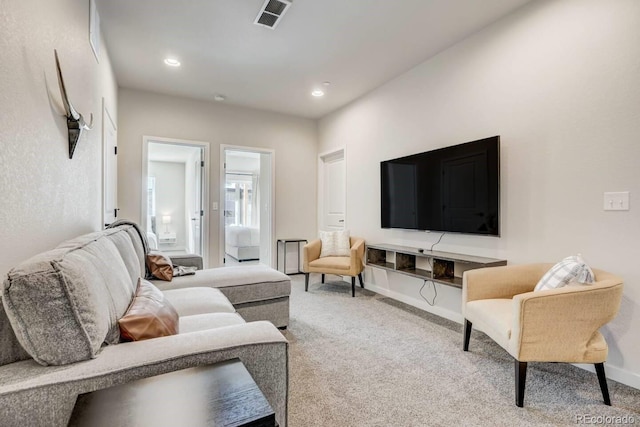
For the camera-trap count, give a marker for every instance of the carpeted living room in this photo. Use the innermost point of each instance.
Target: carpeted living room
(302, 213)
(374, 361)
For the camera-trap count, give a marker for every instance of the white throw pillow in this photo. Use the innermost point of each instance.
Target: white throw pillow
(570, 270)
(335, 243)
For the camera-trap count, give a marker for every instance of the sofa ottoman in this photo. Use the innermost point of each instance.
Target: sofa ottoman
(257, 292)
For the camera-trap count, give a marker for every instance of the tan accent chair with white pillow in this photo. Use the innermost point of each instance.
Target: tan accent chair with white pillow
(351, 265)
(556, 325)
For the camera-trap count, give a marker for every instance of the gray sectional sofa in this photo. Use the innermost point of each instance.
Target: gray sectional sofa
(59, 334)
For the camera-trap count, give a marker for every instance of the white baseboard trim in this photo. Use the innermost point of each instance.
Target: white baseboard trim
(421, 304)
(622, 376)
(613, 372)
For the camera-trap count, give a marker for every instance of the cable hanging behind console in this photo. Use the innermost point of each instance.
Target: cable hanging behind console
(441, 236)
(435, 292)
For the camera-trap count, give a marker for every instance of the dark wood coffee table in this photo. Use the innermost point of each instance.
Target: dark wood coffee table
(223, 394)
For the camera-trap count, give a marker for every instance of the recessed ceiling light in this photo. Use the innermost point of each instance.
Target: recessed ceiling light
(172, 62)
(317, 93)
(219, 97)
(326, 83)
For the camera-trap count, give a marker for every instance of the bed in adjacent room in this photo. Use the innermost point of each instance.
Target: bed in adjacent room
(242, 243)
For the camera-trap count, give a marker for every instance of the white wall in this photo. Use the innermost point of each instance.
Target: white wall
(243, 163)
(293, 139)
(559, 81)
(47, 198)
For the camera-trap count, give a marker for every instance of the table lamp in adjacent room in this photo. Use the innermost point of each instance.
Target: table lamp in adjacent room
(166, 220)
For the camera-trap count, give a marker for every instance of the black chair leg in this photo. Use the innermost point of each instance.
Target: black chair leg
(322, 277)
(602, 379)
(353, 286)
(467, 335)
(306, 282)
(361, 282)
(521, 379)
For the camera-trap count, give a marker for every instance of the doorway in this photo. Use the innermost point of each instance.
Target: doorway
(332, 185)
(109, 167)
(247, 201)
(175, 194)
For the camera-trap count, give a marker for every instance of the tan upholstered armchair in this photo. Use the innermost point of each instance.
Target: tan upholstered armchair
(557, 325)
(351, 265)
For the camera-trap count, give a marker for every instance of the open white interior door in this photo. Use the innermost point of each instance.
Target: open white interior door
(194, 193)
(265, 202)
(110, 168)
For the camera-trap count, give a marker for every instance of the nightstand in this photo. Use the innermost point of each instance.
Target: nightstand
(167, 238)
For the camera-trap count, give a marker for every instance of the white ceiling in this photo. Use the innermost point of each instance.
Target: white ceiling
(357, 45)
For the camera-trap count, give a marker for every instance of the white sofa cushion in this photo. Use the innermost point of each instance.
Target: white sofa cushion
(191, 301)
(202, 322)
(240, 284)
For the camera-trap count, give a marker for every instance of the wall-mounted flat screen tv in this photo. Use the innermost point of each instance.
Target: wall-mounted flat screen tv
(451, 189)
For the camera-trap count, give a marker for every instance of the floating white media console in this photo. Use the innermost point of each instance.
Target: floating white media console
(440, 267)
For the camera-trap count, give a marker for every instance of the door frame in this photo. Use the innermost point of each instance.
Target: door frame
(107, 118)
(222, 197)
(204, 223)
(322, 157)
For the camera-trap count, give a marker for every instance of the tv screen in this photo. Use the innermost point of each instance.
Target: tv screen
(452, 189)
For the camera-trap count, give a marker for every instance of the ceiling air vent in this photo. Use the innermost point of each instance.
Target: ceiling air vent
(272, 12)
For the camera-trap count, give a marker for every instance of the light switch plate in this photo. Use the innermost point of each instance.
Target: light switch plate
(214, 206)
(616, 201)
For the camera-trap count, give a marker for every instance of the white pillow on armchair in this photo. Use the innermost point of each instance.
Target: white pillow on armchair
(572, 269)
(335, 243)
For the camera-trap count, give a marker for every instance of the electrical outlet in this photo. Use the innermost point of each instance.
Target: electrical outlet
(616, 201)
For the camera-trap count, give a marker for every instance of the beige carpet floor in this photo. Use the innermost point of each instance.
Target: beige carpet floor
(373, 361)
